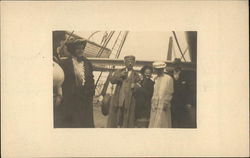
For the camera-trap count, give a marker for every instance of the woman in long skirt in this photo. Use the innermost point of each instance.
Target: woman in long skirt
(160, 116)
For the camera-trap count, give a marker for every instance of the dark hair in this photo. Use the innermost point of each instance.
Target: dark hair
(71, 45)
(144, 68)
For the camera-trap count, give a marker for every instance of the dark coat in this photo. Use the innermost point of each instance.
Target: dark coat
(184, 93)
(143, 97)
(77, 106)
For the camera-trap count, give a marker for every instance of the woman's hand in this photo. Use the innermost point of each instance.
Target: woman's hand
(57, 100)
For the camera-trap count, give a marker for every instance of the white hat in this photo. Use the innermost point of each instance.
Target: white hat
(159, 64)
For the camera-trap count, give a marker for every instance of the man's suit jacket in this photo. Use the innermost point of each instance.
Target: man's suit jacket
(123, 98)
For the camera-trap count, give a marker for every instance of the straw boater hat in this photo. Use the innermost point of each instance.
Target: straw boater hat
(159, 64)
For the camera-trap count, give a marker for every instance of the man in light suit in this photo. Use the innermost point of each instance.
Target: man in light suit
(122, 109)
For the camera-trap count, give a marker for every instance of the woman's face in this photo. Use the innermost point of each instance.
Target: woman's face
(79, 51)
(148, 73)
(141, 76)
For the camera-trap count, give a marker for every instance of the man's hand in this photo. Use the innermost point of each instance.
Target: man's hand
(133, 85)
(100, 99)
(123, 74)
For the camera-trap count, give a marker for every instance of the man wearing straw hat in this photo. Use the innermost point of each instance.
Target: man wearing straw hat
(160, 116)
(122, 108)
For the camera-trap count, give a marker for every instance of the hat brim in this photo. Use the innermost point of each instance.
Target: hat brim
(159, 67)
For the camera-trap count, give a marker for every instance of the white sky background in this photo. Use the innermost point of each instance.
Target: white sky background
(146, 45)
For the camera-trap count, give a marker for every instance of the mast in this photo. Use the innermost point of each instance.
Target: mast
(170, 46)
(120, 46)
(179, 46)
(191, 37)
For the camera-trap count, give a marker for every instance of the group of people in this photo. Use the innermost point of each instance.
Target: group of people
(142, 102)
(137, 102)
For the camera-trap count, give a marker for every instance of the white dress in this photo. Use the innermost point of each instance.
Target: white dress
(160, 116)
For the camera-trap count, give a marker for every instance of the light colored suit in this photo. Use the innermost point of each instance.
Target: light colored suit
(122, 108)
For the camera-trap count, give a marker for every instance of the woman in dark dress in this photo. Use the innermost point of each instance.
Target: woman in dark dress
(76, 110)
(143, 94)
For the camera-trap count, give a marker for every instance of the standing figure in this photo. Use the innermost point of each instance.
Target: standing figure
(122, 108)
(143, 94)
(76, 110)
(160, 116)
(183, 109)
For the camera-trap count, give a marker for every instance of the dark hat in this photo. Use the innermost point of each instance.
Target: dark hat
(145, 67)
(72, 43)
(177, 60)
(129, 57)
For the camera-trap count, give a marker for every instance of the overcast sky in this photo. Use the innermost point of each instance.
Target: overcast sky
(146, 45)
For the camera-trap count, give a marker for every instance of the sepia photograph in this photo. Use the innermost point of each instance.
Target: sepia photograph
(121, 79)
(124, 78)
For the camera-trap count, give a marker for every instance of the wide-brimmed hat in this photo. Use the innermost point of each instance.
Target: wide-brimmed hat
(72, 43)
(143, 69)
(159, 64)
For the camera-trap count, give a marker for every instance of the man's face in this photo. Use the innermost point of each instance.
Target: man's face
(129, 63)
(148, 73)
(79, 50)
